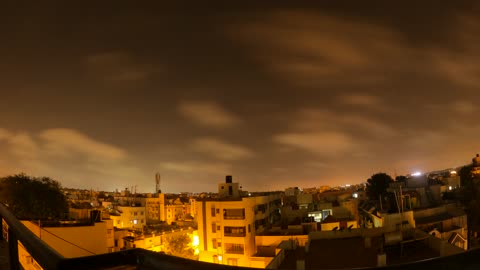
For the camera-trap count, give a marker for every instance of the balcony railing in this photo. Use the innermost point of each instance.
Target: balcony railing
(229, 234)
(233, 217)
(234, 251)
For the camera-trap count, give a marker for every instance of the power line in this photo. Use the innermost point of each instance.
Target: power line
(73, 244)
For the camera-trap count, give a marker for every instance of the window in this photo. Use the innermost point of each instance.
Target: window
(141, 213)
(219, 244)
(234, 213)
(249, 230)
(213, 212)
(214, 243)
(218, 227)
(214, 227)
(218, 211)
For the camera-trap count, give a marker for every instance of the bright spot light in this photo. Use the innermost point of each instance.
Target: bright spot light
(249, 194)
(449, 187)
(453, 172)
(220, 258)
(135, 221)
(196, 241)
(347, 185)
(416, 174)
(355, 195)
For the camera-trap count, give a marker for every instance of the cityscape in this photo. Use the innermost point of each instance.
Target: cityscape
(298, 135)
(384, 221)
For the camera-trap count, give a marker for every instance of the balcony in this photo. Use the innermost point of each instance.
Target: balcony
(230, 231)
(234, 217)
(234, 251)
(234, 234)
(234, 248)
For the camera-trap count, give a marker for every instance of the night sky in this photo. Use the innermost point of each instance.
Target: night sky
(104, 95)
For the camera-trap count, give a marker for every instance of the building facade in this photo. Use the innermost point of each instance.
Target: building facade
(227, 225)
(131, 217)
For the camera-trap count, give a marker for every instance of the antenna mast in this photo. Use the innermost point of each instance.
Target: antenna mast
(157, 183)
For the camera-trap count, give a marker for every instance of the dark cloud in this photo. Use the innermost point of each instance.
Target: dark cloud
(282, 96)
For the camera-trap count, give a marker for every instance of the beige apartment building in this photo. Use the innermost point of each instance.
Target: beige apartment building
(131, 217)
(227, 225)
(155, 208)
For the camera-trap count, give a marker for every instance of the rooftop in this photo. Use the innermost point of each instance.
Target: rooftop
(332, 254)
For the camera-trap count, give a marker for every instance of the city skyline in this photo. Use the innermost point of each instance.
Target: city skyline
(316, 94)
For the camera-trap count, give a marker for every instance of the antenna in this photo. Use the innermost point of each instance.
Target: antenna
(157, 183)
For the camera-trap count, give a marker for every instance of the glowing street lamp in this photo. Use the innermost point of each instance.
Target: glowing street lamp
(416, 174)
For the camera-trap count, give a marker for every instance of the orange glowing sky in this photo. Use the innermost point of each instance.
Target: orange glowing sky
(105, 96)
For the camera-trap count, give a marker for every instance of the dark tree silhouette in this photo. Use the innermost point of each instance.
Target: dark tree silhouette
(30, 197)
(377, 185)
(401, 178)
(466, 176)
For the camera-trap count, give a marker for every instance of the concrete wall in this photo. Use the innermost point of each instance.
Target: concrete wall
(277, 260)
(392, 222)
(75, 241)
(345, 233)
(443, 247)
(276, 240)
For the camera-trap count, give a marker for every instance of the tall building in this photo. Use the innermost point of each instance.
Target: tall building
(227, 225)
(155, 208)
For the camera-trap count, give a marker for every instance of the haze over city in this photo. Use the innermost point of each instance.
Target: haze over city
(104, 97)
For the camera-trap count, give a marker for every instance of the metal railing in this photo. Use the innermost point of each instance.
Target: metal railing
(231, 234)
(233, 217)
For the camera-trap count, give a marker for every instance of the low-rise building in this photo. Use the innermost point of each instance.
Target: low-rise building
(75, 239)
(131, 217)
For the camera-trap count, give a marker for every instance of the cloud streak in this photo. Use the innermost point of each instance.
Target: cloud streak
(67, 155)
(117, 66)
(207, 113)
(221, 150)
(324, 143)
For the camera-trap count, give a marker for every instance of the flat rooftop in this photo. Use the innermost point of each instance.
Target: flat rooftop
(348, 253)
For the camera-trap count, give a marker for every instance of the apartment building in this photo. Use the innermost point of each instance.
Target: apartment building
(227, 224)
(132, 217)
(155, 208)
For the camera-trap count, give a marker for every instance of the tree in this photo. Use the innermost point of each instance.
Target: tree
(30, 197)
(401, 178)
(466, 176)
(377, 185)
(180, 246)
